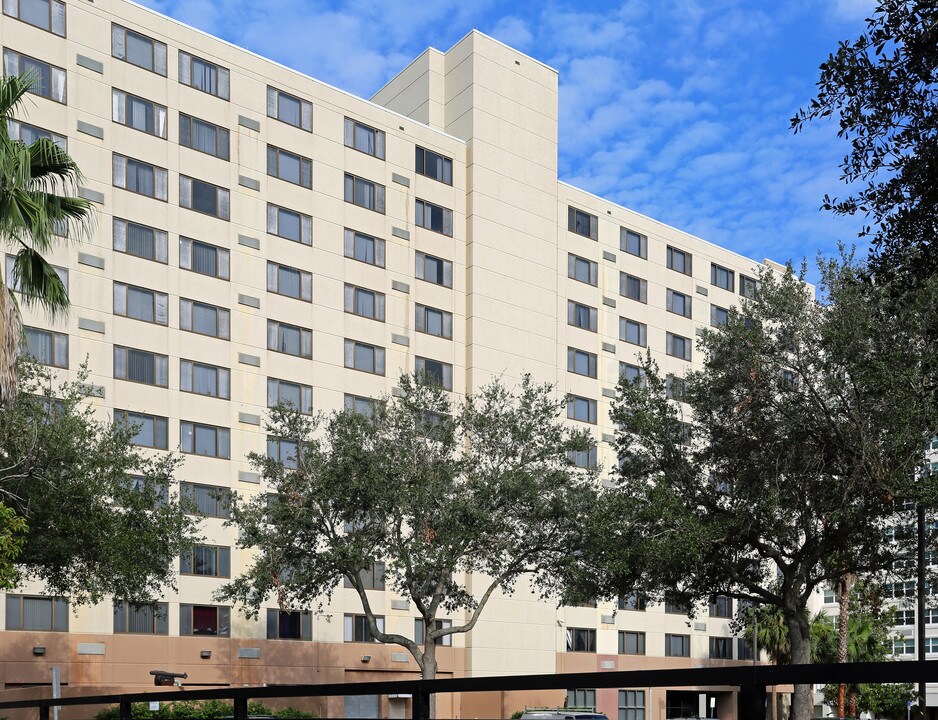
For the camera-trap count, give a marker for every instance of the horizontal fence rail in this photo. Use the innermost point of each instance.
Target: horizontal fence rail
(750, 679)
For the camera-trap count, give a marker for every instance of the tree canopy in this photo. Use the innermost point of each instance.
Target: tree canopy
(431, 489)
(783, 466)
(96, 516)
(883, 90)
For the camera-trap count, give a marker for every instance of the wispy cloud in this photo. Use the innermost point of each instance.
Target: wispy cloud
(677, 109)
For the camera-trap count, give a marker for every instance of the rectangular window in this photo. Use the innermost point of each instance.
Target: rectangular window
(203, 136)
(434, 321)
(582, 316)
(633, 601)
(203, 75)
(633, 243)
(582, 458)
(721, 648)
(204, 197)
(289, 339)
(680, 261)
(364, 357)
(357, 629)
(289, 281)
(202, 379)
(433, 217)
(676, 645)
(674, 388)
(743, 649)
(49, 348)
(931, 616)
(748, 287)
(634, 332)
(289, 224)
(209, 500)
(48, 80)
(207, 560)
(364, 193)
(582, 223)
(586, 271)
(289, 109)
(141, 619)
(207, 440)
(138, 50)
(361, 405)
(28, 134)
(435, 371)
(678, 346)
(675, 607)
(581, 408)
(150, 430)
(46, 14)
(138, 113)
(289, 166)
(36, 613)
(903, 646)
(718, 316)
(286, 625)
(722, 277)
(203, 258)
(631, 643)
(141, 304)
(210, 620)
(632, 373)
(420, 635)
(931, 645)
(204, 319)
(17, 285)
(581, 640)
(364, 138)
(634, 288)
(141, 366)
(581, 698)
(364, 303)
(905, 617)
(434, 270)
(434, 165)
(140, 240)
(283, 451)
(372, 577)
(295, 394)
(140, 177)
(364, 248)
(581, 362)
(679, 303)
(631, 705)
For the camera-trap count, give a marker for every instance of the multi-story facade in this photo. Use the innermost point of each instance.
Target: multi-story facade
(262, 235)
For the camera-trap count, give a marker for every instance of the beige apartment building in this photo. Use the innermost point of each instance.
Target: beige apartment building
(261, 236)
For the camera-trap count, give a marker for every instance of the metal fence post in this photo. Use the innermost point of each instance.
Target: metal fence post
(43, 712)
(125, 710)
(421, 710)
(240, 708)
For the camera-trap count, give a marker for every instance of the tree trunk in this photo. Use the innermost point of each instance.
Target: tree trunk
(852, 705)
(802, 703)
(428, 670)
(843, 600)
(11, 332)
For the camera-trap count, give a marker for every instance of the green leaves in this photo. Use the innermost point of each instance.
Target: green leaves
(432, 489)
(92, 530)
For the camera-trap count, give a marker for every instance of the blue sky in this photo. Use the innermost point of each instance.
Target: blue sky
(678, 109)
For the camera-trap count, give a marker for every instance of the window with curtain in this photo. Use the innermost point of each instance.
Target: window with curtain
(46, 14)
(141, 619)
(433, 165)
(25, 612)
(207, 560)
(49, 348)
(150, 430)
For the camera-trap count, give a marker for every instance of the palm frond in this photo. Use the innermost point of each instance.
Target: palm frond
(38, 282)
(12, 90)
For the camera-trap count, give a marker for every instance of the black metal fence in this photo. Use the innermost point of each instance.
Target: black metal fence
(751, 680)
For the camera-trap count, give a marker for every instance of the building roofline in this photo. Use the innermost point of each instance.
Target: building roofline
(293, 70)
(670, 227)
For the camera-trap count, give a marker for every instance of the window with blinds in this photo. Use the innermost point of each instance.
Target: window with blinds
(140, 240)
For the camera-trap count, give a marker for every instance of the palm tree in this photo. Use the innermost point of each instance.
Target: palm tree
(34, 182)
